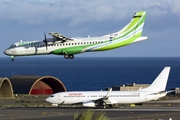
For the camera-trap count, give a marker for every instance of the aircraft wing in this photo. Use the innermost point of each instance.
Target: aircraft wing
(106, 99)
(59, 37)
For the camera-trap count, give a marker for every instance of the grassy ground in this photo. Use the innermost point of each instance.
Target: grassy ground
(25, 101)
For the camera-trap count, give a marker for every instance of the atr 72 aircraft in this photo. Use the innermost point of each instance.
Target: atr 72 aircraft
(107, 98)
(61, 45)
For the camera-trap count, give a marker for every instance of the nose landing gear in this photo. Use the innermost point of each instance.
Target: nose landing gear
(12, 58)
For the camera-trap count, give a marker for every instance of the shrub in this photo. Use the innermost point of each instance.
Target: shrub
(89, 115)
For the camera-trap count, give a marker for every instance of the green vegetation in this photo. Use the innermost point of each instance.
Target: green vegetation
(90, 115)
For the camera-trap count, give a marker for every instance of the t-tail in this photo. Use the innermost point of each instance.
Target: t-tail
(159, 84)
(135, 26)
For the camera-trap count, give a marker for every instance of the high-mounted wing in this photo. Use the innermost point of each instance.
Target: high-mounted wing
(59, 37)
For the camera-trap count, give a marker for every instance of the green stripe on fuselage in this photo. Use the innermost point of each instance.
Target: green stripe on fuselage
(106, 45)
(119, 44)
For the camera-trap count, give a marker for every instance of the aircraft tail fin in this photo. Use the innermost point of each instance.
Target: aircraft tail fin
(135, 26)
(160, 82)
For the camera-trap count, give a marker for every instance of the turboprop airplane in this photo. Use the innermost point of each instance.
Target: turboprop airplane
(108, 98)
(61, 45)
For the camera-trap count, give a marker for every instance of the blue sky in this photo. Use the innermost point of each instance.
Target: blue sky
(28, 19)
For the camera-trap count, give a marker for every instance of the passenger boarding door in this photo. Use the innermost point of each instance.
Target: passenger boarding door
(112, 36)
(110, 41)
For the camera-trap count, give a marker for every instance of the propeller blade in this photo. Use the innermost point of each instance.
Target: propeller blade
(45, 39)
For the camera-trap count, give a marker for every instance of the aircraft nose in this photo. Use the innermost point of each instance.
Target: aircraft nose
(7, 52)
(48, 99)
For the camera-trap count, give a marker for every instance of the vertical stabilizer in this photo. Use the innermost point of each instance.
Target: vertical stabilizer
(136, 25)
(160, 82)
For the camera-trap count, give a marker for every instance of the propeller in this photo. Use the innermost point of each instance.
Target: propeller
(45, 40)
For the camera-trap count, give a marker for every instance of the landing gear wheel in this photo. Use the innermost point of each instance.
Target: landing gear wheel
(71, 56)
(66, 56)
(110, 106)
(12, 59)
(104, 105)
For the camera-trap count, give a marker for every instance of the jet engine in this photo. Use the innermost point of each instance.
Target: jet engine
(89, 103)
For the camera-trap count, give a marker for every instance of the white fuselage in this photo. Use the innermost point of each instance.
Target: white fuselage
(39, 47)
(115, 97)
(94, 98)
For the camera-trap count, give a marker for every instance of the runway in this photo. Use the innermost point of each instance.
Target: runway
(124, 113)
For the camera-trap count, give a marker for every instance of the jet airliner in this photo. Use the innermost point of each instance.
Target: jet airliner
(61, 45)
(108, 98)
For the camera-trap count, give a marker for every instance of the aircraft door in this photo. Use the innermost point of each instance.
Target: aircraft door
(110, 41)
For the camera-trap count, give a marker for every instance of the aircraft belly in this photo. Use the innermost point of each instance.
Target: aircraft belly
(70, 50)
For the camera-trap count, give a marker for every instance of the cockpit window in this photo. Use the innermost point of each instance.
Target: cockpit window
(52, 95)
(12, 46)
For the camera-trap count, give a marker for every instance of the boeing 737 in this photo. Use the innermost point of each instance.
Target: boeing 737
(61, 45)
(107, 98)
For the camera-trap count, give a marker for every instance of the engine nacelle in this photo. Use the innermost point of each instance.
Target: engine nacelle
(56, 105)
(89, 103)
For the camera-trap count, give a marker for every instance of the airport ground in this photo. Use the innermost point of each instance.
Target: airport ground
(125, 113)
(24, 107)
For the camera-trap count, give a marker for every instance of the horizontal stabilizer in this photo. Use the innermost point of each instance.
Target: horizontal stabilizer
(140, 39)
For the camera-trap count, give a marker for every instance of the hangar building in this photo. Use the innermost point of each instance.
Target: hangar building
(36, 85)
(6, 89)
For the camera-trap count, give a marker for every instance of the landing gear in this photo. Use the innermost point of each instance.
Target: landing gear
(104, 105)
(71, 56)
(12, 58)
(66, 56)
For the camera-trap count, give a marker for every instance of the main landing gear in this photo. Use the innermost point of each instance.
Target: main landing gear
(66, 56)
